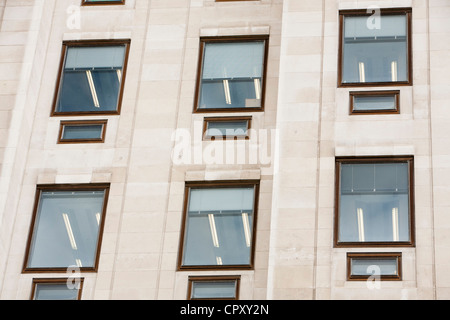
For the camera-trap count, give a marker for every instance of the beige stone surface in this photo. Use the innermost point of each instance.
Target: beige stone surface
(306, 119)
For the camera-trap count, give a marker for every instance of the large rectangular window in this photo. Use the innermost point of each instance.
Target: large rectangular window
(66, 229)
(91, 77)
(231, 74)
(374, 201)
(101, 2)
(375, 47)
(384, 265)
(219, 225)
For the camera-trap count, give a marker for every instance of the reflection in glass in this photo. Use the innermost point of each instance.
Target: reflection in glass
(232, 128)
(66, 229)
(375, 55)
(374, 202)
(366, 266)
(219, 227)
(55, 291)
(91, 79)
(213, 289)
(82, 132)
(232, 75)
(374, 103)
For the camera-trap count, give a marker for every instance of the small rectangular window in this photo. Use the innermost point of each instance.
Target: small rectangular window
(384, 266)
(232, 74)
(66, 228)
(91, 79)
(213, 287)
(372, 102)
(375, 47)
(101, 2)
(82, 131)
(218, 225)
(57, 289)
(230, 128)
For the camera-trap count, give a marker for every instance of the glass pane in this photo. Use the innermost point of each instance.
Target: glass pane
(369, 103)
(55, 292)
(374, 203)
(213, 289)
(219, 227)
(227, 128)
(91, 79)
(232, 75)
(104, 1)
(94, 57)
(382, 267)
(66, 229)
(82, 132)
(375, 55)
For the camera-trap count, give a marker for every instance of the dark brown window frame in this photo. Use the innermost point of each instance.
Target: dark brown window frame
(218, 184)
(66, 187)
(37, 281)
(383, 11)
(192, 279)
(91, 43)
(62, 124)
(225, 39)
(112, 2)
(395, 93)
(374, 255)
(374, 159)
(206, 120)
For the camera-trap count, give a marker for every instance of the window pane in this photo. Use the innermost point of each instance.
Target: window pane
(384, 266)
(91, 79)
(373, 103)
(232, 75)
(375, 55)
(227, 128)
(107, 1)
(82, 132)
(66, 230)
(374, 203)
(219, 227)
(55, 292)
(213, 289)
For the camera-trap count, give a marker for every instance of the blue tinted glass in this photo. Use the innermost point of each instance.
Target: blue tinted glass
(82, 132)
(66, 229)
(55, 292)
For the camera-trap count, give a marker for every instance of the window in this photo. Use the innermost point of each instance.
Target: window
(375, 49)
(372, 102)
(91, 78)
(57, 289)
(231, 76)
(374, 201)
(226, 128)
(214, 287)
(66, 228)
(385, 266)
(100, 2)
(219, 225)
(82, 131)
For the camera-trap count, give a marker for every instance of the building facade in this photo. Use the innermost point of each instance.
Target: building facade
(249, 149)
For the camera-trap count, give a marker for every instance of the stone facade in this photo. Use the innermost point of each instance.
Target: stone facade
(305, 119)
